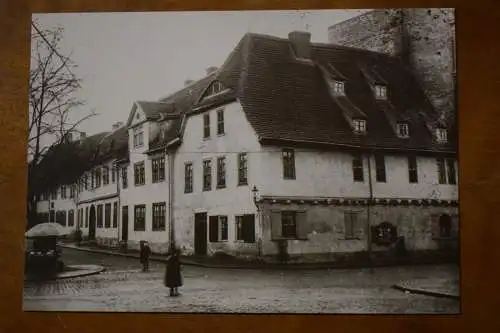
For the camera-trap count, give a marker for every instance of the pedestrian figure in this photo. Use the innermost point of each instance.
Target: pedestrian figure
(173, 278)
(144, 256)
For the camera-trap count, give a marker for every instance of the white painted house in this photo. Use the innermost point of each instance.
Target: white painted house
(324, 150)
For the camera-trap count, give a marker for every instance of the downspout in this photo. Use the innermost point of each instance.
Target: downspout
(368, 220)
(171, 196)
(119, 204)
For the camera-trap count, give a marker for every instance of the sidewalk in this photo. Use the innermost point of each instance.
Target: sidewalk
(448, 288)
(237, 263)
(73, 271)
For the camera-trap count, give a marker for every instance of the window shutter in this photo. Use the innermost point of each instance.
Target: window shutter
(434, 221)
(213, 229)
(275, 225)
(249, 228)
(358, 226)
(301, 220)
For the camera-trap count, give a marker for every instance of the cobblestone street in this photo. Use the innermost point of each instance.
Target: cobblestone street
(123, 287)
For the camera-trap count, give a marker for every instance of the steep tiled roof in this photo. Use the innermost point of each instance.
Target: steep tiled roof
(114, 145)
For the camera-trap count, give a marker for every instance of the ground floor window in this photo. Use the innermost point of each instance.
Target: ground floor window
(107, 215)
(139, 217)
(71, 218)
(351, 224)
(445, 226)
(61, 217)
(159, 216)
(86, 217)
(218, 228)
(245, 228)
(99, 216)
(289, 224)
(115, 215)
(385, 233)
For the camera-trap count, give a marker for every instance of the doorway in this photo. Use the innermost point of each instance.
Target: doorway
(125, 223)
(92, 223)
(200, 234)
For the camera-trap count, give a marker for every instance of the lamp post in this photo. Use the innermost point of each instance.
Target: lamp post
(255, 191)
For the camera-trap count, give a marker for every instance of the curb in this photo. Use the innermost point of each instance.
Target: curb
(87, 273)
(425, 292)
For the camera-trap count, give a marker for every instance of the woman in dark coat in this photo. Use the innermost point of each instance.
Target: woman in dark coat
(144, 256)
(173, 278)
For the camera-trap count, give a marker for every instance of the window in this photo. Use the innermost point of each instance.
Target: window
(45, 196)
(140, 217)
(158, 169)
(221, 172)
(242, 169)
(99, 216)
(288, 156)
(380, 92)
(380, 168)
(385, 233)
(52, 216)
(115, 215)
(218, 228)
(206, 125)
(289, 224)
(207, 175)
(86, 181)
(412, 169)
(92, 179)
(98, 177)
(338, 88)
(220, 122)
(445, 226)
(63, 192)
(53, 195)
(350, 224)
(105, 175)
(124, 177)
(86, 217)
(188, 177)
(159, 216)
(107, 215)
(357, 168)
(61, 217)
(215, 88)
(446, 171)
(72, 191)
(71, 218)
(138, 136)
(359, 126)
(245, 228)
(113, 174)
(441, 135)
(403, 130)
(139, 177)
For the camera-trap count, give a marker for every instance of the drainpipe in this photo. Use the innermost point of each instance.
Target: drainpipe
(368, 220)
(119, 205)
(170, 159)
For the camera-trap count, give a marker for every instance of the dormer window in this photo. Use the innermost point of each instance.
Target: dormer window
(441, 135)
(380, 92)
(403, 130)
(215, 88)
(138, 136)
(359, 126)
(338, 88)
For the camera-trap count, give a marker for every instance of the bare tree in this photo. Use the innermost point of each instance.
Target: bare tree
(53, 103)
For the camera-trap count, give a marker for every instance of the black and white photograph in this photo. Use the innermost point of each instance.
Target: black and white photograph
(300, 162)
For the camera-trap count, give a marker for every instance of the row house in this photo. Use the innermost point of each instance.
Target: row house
(327, 150)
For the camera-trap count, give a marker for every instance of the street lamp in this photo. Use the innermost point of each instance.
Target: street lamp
(255, 191)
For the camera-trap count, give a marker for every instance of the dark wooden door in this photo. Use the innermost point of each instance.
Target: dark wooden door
(200, 234)
(125, 223)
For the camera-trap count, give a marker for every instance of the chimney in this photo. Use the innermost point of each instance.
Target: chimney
(83, 135)
(188, 82)
(301, 43)
(210, 70)
(117, 125)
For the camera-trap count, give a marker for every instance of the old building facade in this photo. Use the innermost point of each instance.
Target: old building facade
(333, 152)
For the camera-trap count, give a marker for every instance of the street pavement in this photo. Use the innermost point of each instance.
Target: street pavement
(123, 287)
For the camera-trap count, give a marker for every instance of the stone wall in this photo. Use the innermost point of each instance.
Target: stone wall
(430, 45)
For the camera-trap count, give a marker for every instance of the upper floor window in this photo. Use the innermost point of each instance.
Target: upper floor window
(288, 159)
(220, 122)
(158, 169)
(124, 177)
(242, 169)
(139, 174)
(86, 181)
(188, 177)
(357, 168)
(113, 174)
(403, 130)
(441, 135)
(446, 171)
(72, 190)
(138, 136)
(380, 174)
(412, 169)
(206, 125)
(45, 196)
(98, 177)
(380, 92)
(338, 88)
(221, 172)
(53, 195)
(359, 126)
(215, 88)
(105, 175)
(207, 175)
(63, 192)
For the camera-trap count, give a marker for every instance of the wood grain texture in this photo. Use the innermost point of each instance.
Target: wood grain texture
(479, 115)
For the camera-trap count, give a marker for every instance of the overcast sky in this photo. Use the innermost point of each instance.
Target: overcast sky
(123, 57)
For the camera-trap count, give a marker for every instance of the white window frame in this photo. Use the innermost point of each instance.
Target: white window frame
(403, 130)
(338, 88)
(441, 135)
(359, 126)
(380, 92)
(138, 136)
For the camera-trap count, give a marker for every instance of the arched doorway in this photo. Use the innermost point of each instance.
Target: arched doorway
(92, 223)
(445, 226)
